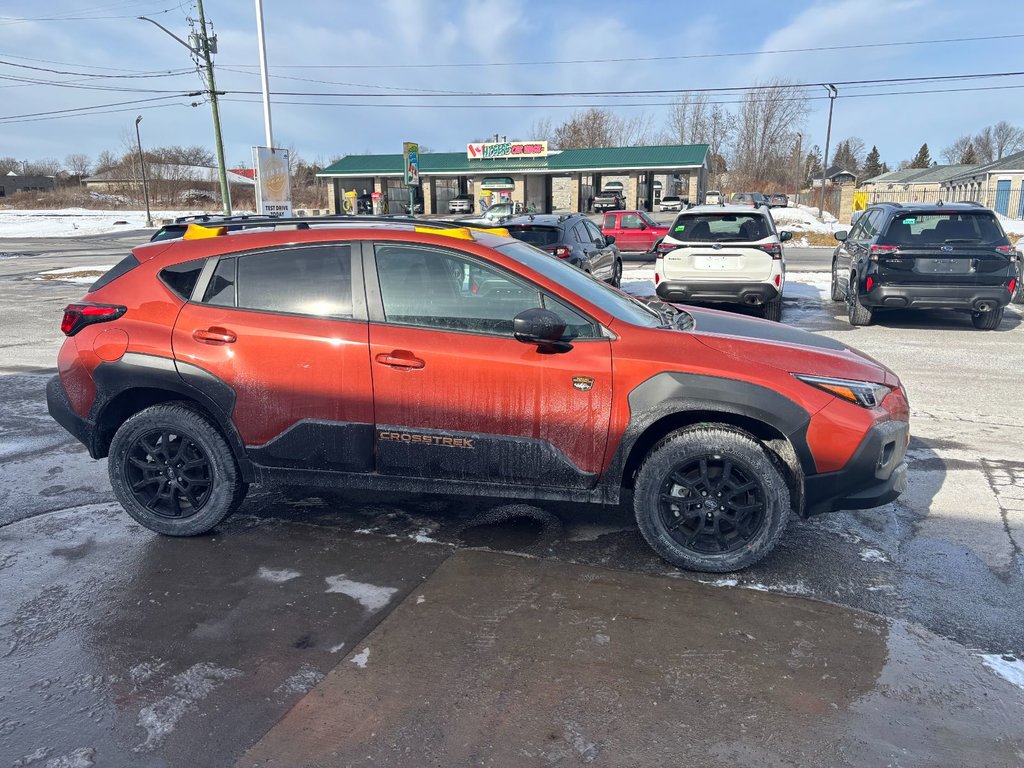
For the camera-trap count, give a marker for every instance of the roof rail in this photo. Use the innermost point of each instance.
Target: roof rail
(235, 223)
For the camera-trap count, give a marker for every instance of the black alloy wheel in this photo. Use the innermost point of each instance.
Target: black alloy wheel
(168, 473)
(712, 504)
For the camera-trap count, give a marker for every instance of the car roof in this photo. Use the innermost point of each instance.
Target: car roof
(965, 206)
(723, 209)
(541, 219)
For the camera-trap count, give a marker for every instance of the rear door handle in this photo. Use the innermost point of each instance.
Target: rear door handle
(400, 359)
(214, 335)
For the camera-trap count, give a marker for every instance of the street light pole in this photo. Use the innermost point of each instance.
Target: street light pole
(142, 165)
(263, 73)
(799, 162)
(832, 93)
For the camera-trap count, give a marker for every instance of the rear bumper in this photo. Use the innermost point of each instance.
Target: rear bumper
(980, 298)
(683, 291)
(876, 475)
(59, 406)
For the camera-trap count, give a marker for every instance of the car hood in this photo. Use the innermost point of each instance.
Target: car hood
(784, 347)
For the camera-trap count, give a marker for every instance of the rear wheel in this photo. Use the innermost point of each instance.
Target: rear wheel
(772, 310)
(173, 471)
(1018, 292)
(987, 321)
(857, 313)
(711, 498)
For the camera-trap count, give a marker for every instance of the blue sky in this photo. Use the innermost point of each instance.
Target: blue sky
(430, 32)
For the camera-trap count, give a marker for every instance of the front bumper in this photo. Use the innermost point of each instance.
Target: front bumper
(683, 291)
(980, 298)
(59, 406)
(875, 475)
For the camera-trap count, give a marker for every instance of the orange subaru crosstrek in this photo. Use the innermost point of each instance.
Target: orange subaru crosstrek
(397, 356)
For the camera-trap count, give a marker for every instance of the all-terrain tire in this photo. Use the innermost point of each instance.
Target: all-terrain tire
(837, 292)
(856, 312)
(1018, 293)
(987, 321)
(772, 310)
(671, 498)
(174, 439)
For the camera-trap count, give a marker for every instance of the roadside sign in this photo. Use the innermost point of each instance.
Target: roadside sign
(411, 156)
(495, 150)
(273, 181)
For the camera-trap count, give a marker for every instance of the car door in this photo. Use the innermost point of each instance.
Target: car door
(286, 331)
(846, 253)
(602, 255)
(631, 227)
(610, 226)
(457, 397)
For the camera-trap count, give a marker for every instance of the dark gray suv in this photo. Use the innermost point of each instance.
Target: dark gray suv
(918, 256)
(571, 237)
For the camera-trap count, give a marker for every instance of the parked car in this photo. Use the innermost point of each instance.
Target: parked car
(633, 230)
(494, 213)
(917, 256)
(778, 200)
(461, 204)
(432, 358)
(609, 199)
(417, 207)
(713, 197)
(731, 254)
(671, 203)
(574, 238)
(753, 199)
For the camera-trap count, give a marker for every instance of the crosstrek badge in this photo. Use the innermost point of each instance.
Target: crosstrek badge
(583, 383)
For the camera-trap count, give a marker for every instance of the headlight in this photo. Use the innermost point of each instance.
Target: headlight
(864, 393)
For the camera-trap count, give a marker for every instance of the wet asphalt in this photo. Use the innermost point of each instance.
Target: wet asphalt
(123, 648)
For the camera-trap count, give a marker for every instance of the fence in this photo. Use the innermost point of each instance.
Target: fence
(1004, 200)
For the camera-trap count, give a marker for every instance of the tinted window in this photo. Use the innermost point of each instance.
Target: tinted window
(541, 236)
(124, 266)
(581, 233)
(937, 227)
(595, 234)
(181, 278)
(871, 223)
(609, 221)
(720, 227)
(449, 291)
(221, 290)
(630, 221)
(304, 281)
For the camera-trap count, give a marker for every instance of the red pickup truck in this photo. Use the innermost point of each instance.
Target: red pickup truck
(633, 230)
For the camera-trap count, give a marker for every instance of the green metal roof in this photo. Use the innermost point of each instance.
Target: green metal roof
(596, 158)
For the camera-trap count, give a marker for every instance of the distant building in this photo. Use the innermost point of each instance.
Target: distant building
(997, 184)
(837, 175)
(168, 183)
(911, 185)
(12, 183)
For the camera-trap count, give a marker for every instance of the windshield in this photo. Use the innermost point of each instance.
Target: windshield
(620, 305)
(719, 227)
(647, 219)
(916, 228)
(540, 236)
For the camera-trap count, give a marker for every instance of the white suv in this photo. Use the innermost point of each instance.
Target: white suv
(723, 253)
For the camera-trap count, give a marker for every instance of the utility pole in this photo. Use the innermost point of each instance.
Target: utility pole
(799, 163)
(832, 93)
(204, 44)
(142, 165)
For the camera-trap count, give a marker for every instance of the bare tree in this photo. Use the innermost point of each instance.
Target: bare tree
(984, 145)
(105, 161)
(1007, 138)
(78, 164)
(954, 152)
(8, 164)
(543, 129)
(602, 128)
(768, 121)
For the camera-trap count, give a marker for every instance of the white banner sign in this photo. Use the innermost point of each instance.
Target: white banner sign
(273, 181)
(493, 150)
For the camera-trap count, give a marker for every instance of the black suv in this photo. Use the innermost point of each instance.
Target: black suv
(572, 237)
(925, 256)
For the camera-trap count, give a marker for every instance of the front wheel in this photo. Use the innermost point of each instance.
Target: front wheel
(616, 280)
(173, 471)
(711, 498)
(837, 292)
(988, 321)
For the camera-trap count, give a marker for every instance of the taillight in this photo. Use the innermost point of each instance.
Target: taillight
(77, 316)
(883, 250)
(664, 248)
(1006, 250)
(561, 251)
(869, 283)
(1012, 286)
(657, 278)
(772, 249)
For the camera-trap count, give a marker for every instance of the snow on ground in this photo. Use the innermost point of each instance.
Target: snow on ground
(1012, 227)
(67, 222)
(1007, 667)
(83, 275)
(370, 596)
(801, 218)
(799, 285)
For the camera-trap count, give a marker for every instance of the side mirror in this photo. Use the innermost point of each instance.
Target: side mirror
(784, 236)
(609, 239)
(841, 235)
(541, 327)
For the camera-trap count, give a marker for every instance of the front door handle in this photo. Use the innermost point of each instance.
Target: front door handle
(399, 358)
(215, 335)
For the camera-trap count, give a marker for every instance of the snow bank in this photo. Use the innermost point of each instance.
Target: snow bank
(67, 222)
(805, 219)
(1011, 226)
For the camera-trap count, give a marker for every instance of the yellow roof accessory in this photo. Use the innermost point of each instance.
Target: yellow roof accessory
(499, 231)
(196, 232)
(460, 233)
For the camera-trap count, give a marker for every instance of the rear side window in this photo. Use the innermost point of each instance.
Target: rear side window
(181, 278)
(720, 227)
(303, 281)
(912, 228)
(221, 290)
(123, 267)
(539, 236)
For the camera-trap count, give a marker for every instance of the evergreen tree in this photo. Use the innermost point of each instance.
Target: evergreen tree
(812, 164)
(885, 167)
(844, 157)
(923, 158)
(872, 164)
(970, 155)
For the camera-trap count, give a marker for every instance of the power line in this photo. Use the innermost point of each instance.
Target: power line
(5, 118)
(145, 73)
(94, 114)
(71, 16)
(858, 46)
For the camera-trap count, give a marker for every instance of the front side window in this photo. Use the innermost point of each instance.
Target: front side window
(454, 292)
(315, 281)
(630, 221)
(595, 234)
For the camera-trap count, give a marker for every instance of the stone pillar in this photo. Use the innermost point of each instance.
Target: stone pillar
(332, 196)
(427, 190)
(846, 203)
(632, 182)
(519, 193)
(693, 188)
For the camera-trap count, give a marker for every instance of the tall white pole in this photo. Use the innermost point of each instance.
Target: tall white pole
(263, 73)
